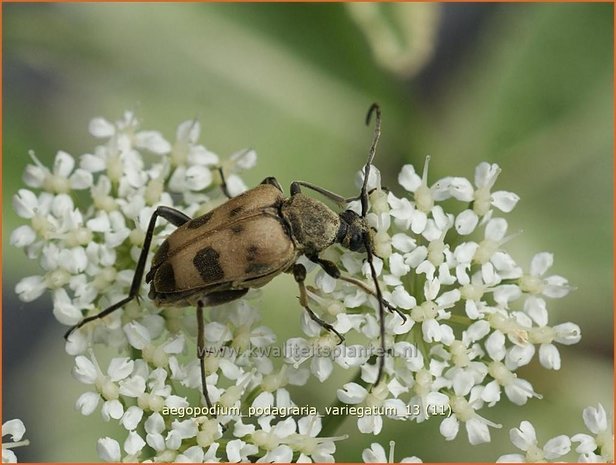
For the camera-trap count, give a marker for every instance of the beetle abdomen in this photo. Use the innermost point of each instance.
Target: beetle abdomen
(247, 252)
(246, 204)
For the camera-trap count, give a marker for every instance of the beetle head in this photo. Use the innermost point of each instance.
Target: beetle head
(353, 231)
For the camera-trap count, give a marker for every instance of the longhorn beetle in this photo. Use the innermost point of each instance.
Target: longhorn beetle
(247, 241)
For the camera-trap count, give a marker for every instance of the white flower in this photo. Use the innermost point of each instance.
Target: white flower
(543, 335)
(270, 438)
(157, 355)
(16, 429)
(463, 410)
(61, 264)
(273, 387)
(88, 372)
(496, 265)
(432, 310)
(323, 348)
(517, 390)
(354, 394)
(525, 439)
(424, 196)
(598, 447)
(126, 133)
(61, 179)
(534, 283)
(426, 388)
(312, 448)
(482, 199)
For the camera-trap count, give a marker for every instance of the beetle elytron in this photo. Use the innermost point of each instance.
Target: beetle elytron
(246, 242)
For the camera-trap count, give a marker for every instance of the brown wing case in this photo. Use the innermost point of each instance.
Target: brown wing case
(246, 204)
(244, 250)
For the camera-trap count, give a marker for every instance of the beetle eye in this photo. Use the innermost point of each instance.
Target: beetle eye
(357, 242)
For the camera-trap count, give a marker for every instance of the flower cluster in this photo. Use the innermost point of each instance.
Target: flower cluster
(473, 315)
(87, 223)
(469, 315)
(595, 447)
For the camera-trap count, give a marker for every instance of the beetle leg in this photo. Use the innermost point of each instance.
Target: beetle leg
(296, 188)
(175, 217)
(201, 351)
(365, 288)
(223, 183)
(273, 182)
(332, 270)
(299, 273)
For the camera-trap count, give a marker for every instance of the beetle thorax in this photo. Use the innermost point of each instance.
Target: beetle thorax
(314, 226)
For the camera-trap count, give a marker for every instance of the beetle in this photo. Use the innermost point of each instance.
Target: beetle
(246, 242)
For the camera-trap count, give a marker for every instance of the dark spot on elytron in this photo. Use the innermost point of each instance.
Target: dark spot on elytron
(235, 211)
(161, 254)
(257, 268)
(237, 228)
(252, 251)
(164, 280)
(207, 264)
(199, 221)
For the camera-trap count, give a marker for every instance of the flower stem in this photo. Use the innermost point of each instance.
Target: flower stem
(11, 445)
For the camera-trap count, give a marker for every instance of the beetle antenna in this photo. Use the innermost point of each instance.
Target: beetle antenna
(374, 108)
(379, 296)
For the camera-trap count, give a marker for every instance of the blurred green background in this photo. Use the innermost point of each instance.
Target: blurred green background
(528, 86)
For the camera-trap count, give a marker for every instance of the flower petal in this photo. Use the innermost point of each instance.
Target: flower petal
(496, 229)
(595, 419)
(549, 356)
(540, 263)
(485, 174)
(87, 402)
(477, 431)
(120, 368)
(63, 164)
(449, 428)
(15, 428)
(112, 409)
(84, 370)
(504, 201)
(134, 443)
(557, 447)
(132, 417)
(466, 222)
(524, 436)
(409, 179)
(352, 393)
(375, 454)
(23, 236)
(461, 189)
(108, 449)
(152, 141)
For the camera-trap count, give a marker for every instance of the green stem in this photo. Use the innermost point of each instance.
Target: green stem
(252, 395)
(461, 320)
